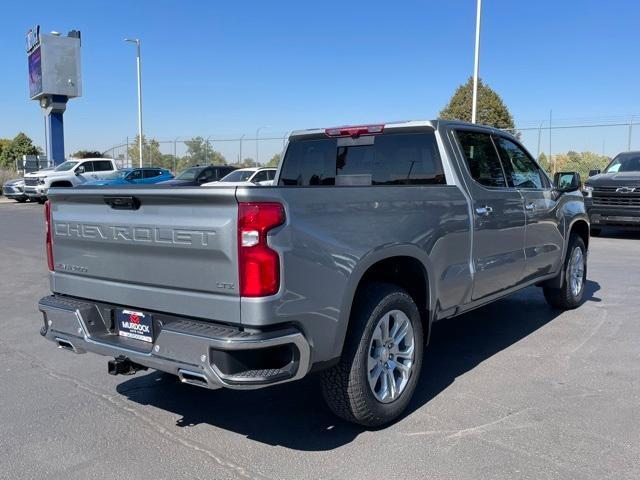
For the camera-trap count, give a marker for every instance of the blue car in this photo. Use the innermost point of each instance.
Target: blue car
(138, 176)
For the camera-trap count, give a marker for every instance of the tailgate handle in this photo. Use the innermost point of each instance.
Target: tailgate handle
(123, 203)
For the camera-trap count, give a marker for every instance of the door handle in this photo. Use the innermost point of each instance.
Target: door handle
(530, 206)
(484, 211)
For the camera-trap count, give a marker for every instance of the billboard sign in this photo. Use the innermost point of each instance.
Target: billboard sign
(33, 38)
(54, 64)
(35, 73)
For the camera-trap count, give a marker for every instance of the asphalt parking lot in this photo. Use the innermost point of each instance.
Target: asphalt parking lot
(512, 390)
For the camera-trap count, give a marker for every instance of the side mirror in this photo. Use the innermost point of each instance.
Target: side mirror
(567, 181)
(594, 172)
(80, 170)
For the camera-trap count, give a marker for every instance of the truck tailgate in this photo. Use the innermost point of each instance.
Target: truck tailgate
(176, 252)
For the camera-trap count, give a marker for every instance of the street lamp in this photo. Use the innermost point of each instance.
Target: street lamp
(139, 65)
(258, 144)
(240, 156)
(476, 63)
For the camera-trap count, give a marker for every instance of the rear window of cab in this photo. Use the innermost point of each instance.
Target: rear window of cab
(388, 159)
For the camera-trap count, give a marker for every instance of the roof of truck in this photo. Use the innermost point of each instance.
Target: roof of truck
(401, 124)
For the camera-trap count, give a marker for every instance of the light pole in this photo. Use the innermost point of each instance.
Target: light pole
(139, 65)
(476, 63)
(240, 155)
(258, 143)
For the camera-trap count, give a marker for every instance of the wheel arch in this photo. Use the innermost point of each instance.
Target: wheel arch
(388, 265)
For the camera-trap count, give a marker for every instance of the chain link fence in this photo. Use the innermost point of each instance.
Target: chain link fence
(182, 152)
(573, 144)
(579, 144)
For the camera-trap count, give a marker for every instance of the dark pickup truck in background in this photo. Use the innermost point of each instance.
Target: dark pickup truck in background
(368, 235)
(612, 197)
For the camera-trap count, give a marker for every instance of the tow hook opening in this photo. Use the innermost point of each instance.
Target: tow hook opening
(123, 366)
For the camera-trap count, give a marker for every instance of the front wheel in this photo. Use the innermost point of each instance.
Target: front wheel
(381, 360)
(575, 277)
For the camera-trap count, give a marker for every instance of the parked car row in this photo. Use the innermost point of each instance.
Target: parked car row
(103, 172)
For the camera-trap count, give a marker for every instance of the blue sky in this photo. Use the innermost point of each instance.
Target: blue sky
(226, 68)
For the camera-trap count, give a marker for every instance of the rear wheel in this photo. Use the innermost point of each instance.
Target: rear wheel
(381, 361)
(575, 277)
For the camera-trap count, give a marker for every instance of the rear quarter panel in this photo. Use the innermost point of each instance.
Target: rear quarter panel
(332, 235)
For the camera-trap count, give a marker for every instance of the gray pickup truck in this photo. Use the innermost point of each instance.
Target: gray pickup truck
(368, 236)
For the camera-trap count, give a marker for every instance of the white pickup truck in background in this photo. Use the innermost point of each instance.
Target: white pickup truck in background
(67, 174)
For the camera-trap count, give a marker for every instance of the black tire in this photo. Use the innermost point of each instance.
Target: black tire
(41, 201)
(595, 232)
(345, 386)
(563, 298)
(20, 200)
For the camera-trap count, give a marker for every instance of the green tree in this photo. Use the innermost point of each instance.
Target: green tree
(491, 109)
(4, 144)
(200, 152)
(19, 146)
(578, 162)
(87, 154)
(247, 162)
(151, 154)
(275, 160)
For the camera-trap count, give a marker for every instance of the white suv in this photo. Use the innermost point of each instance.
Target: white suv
(67, 174)
(247, 176)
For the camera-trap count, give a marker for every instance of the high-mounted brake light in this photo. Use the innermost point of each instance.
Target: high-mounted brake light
(354, 131)
(258, 265)
(48, 235)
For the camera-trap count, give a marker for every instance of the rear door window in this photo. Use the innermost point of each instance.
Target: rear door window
(151, 173)
(101, 165)
(482, 158)
(389, 159)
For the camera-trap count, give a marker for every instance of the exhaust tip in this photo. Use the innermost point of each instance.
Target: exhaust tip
(193, 378)
(65, 344)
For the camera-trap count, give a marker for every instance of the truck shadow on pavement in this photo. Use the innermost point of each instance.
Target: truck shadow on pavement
(295, 416)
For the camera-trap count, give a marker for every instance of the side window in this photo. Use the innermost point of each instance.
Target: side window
(482, 158)
(88, 166)
(519, 166)
(101, 165)
(261, 176)
(207, 175)
(151, 173)
(271, 174)
(135, 175)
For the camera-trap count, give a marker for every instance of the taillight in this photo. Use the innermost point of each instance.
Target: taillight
(354, 131)
(259, 265)
(48, 234)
